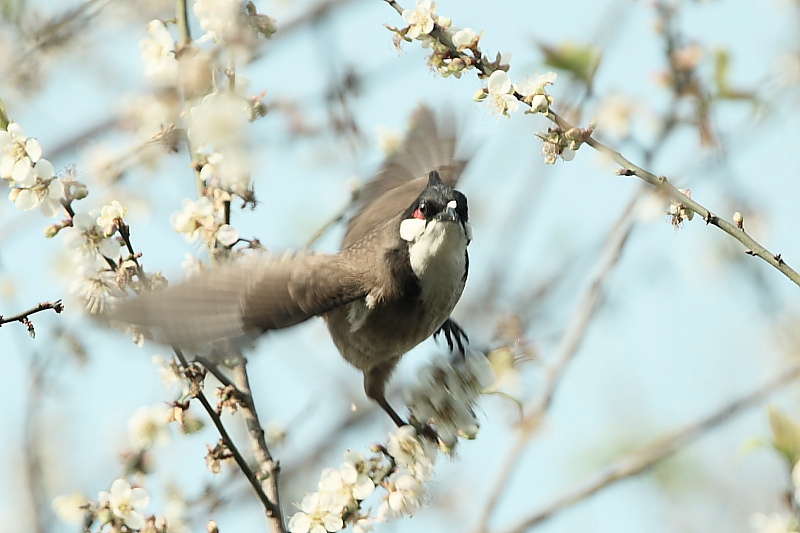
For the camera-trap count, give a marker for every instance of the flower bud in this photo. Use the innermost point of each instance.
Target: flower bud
(738, 219)
(79, 191)
(52, 230)
(480, 95)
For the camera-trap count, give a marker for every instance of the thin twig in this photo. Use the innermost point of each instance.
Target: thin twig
(270, 507)
(33, 439)
(570, 342)
(654, 452)
(663, 185)
(56, 306)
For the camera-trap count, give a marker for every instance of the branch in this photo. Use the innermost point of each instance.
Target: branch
(56, 306)
(663, 185)
(486, 68)
(272, 509)
(268, 468)
(570, 342)
(654, 452)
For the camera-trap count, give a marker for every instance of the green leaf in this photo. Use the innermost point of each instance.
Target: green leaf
(3, 117)
(580, 61)
(785, 435)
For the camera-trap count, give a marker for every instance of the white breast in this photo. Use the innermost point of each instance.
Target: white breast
(438, 259)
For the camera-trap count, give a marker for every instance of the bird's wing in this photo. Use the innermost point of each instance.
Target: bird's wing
(430, 145)
(235, 303)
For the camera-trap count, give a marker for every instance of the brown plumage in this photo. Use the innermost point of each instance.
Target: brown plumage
(378, 300)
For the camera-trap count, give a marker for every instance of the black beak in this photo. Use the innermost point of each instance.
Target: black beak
(449, 215)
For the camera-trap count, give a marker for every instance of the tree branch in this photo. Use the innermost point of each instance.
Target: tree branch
(56, 306)
(663, 185)
(271, 508)
(654, 452)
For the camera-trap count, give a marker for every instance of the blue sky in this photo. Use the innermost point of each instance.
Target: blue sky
(686, 322)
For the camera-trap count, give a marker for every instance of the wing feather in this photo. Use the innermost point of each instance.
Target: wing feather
(430, 145)
(235, 303)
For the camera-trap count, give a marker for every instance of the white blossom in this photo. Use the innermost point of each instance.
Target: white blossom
(217, 129)
(219, 120)
(405, 495)
(678, 212)
(192, 266)
(615, 114)
(220, 19)
(412, 452)
(175, 513)
(195, 218)
(40, 189)
(18, 153)
(318, 513)
(148, 427)
(445, 396)
(533, 92)
(69, 508)
(96, 286)
(389, 140)
(770, 523)
(464, 38)
(500, 89)
(170, 374)
(158, 53)
(420, 19)
(231, 172)
(126, 502)
(88, 238)
(363, 525)
(109, 214)
(346, 483)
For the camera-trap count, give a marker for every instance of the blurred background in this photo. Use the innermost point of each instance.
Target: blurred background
(640, 329)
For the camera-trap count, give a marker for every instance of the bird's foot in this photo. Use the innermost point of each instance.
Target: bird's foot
(454, 335)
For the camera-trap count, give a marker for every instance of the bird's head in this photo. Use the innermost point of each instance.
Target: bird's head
(439, 208)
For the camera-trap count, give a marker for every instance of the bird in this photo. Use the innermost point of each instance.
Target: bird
(400, 272)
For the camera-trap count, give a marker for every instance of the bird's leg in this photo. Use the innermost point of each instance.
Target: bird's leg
(375, 385)
(454, 334)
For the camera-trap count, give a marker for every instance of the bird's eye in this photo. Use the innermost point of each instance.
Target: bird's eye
(421, 211)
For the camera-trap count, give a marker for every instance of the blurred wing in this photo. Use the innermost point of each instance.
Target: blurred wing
(233, 304)
(429, 145)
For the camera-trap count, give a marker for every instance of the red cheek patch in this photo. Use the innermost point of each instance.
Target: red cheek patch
(418, 214)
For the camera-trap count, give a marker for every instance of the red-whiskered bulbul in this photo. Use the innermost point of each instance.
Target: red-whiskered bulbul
(400, 273)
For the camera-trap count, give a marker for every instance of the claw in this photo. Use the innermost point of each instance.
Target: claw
(453, 334)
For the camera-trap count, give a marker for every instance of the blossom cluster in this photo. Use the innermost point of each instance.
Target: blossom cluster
(450, 58)
(187, 105)
(678, 212)
(504, 96)
(200, 219)
(32, 178)
(456, 50)
(88, 235)
(215, 119)
(449, 55)
(445, 394)
(558, 143)
(401, 470)
(121, 509)
(443, 405)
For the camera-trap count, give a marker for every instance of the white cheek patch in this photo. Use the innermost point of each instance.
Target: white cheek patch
(452, 204)
(411, 229)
